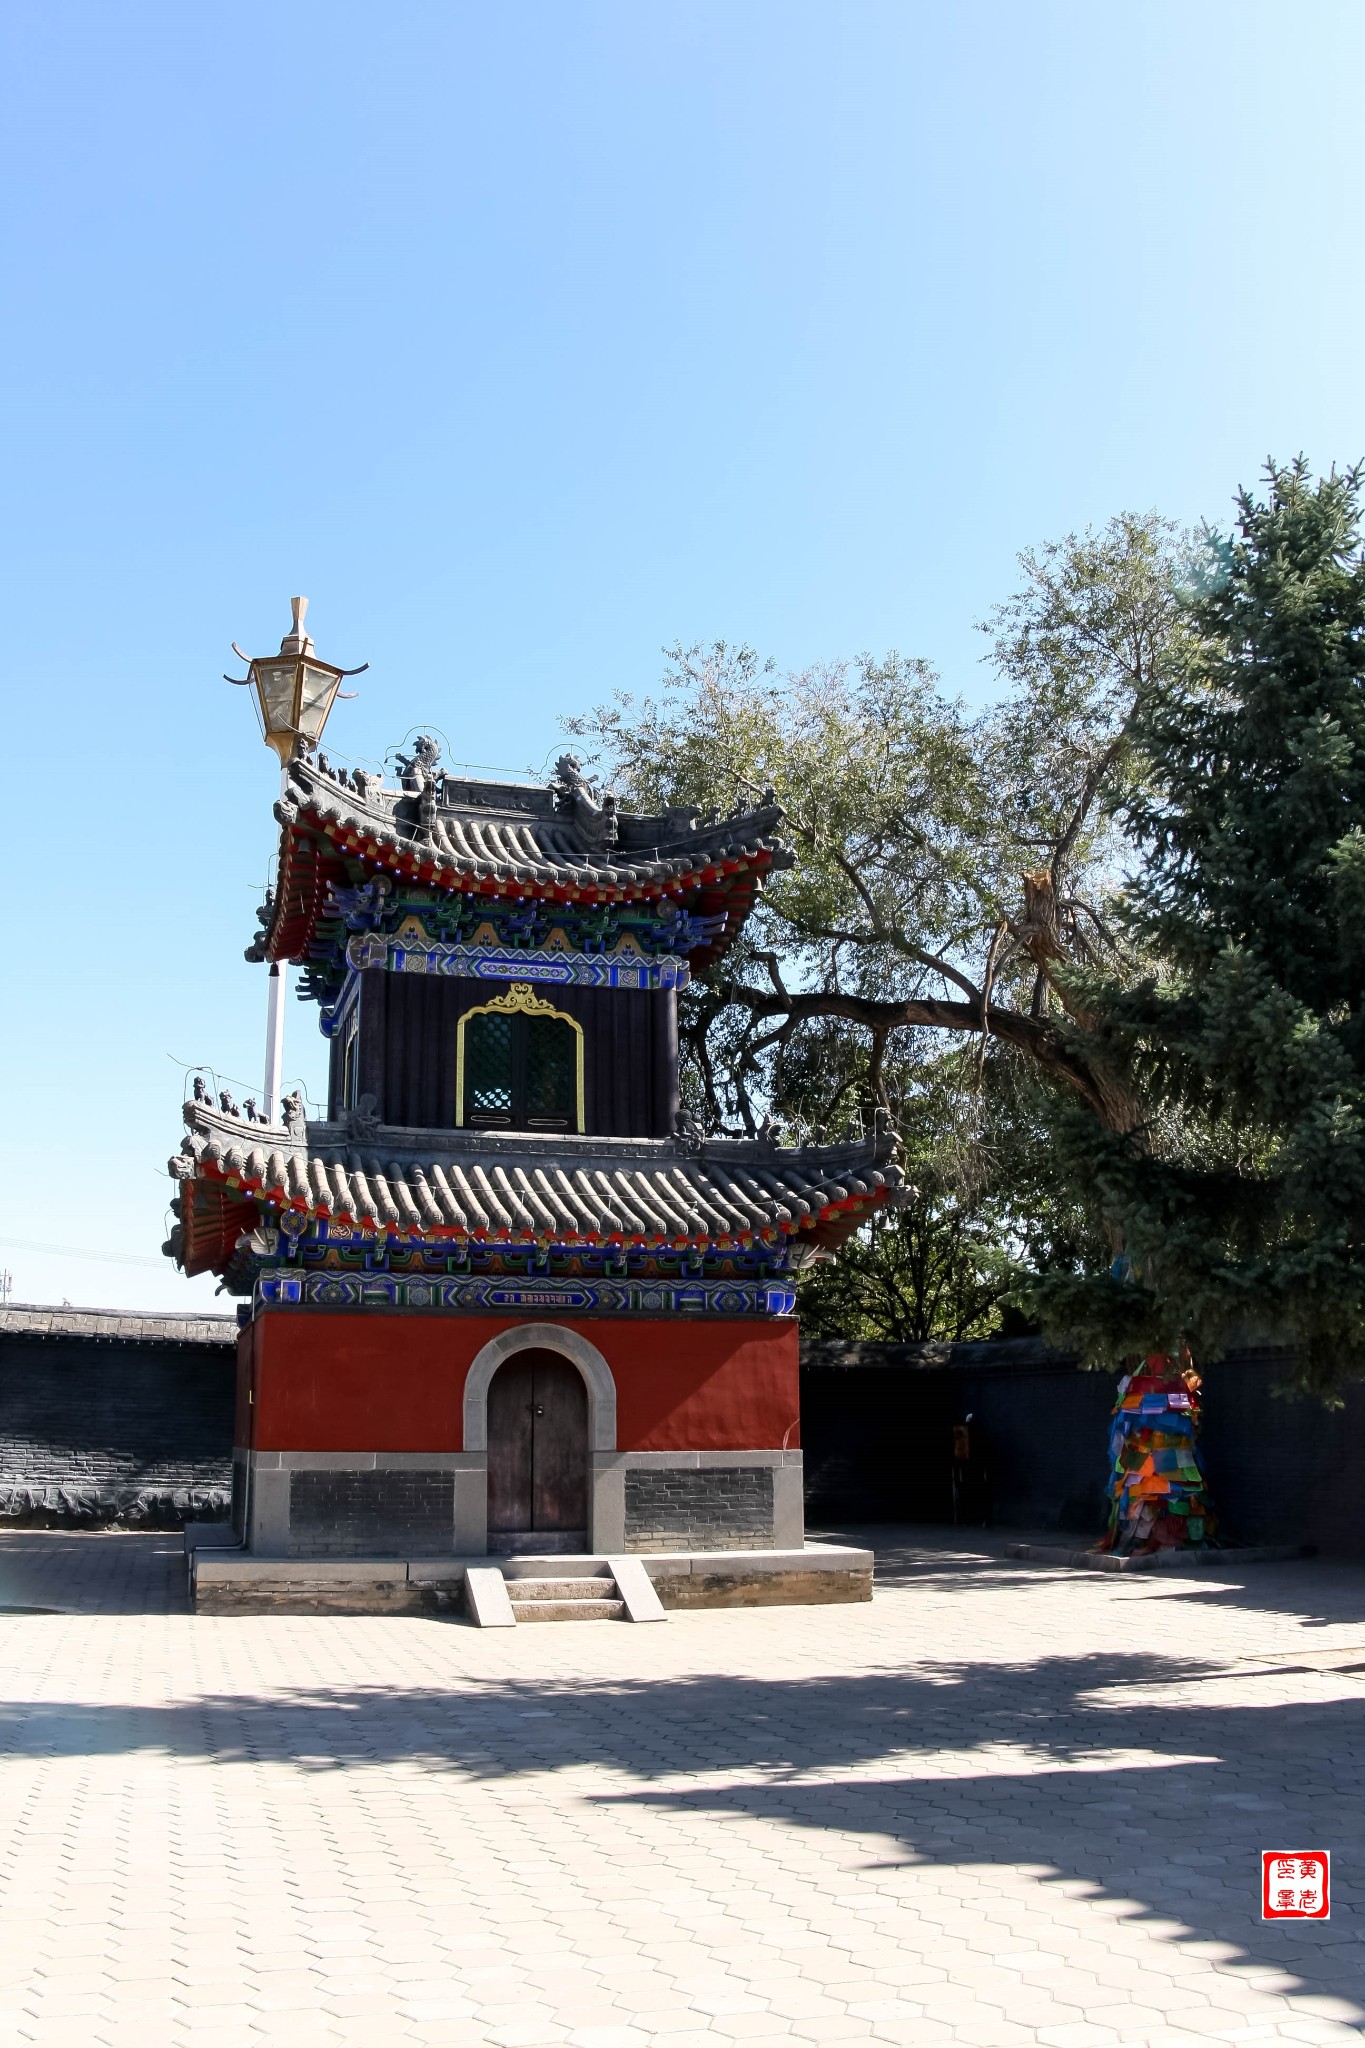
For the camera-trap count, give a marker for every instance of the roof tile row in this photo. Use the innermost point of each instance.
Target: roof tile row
(537, 848)
(657, 1191)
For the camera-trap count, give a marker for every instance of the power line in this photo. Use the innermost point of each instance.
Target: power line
(71, 1251)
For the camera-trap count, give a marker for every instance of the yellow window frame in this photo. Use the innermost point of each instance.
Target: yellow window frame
(520, 999)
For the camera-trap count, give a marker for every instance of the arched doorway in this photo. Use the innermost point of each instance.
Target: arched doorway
(537, 1455)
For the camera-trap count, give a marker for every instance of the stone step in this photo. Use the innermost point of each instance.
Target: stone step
(582, 1586)
(569, 1610)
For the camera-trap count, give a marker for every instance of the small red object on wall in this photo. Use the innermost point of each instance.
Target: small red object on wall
(1295, 1884)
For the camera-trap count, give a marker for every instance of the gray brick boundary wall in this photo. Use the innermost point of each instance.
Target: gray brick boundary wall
(110, 1419)
(114, 1420)
(877, 1422)
(728, 1507)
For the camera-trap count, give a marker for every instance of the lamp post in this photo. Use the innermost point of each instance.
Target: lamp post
(294, 690)
(294, 693)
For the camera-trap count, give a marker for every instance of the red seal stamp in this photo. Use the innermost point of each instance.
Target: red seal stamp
(1296, 1884)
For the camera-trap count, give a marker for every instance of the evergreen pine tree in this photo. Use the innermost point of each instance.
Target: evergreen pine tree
(1236, 1202)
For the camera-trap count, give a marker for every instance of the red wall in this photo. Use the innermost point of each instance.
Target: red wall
(396, 1383)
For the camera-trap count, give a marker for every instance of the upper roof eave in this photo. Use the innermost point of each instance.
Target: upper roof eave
(517, 844)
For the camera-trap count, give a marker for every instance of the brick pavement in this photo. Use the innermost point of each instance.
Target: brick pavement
(997, 1806)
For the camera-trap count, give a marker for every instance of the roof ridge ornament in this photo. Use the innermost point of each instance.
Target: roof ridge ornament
(569, 782)
(417, 773)
(575, 797)
(362, 1123)
(688, 1132)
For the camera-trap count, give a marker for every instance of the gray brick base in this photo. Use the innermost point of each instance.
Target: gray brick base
(367, 1514)
(727, 1507)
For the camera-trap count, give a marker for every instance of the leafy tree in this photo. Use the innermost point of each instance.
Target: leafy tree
(1238, 1193)
(951, 868)
(989, 1204)
(1133, 893)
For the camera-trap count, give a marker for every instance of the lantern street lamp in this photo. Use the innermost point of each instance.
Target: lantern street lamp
(294, 694)
(294, 690)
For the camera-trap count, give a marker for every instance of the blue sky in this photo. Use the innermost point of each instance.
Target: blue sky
(528, 338)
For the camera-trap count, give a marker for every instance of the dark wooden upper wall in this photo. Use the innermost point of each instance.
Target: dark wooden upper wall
(408, 1027)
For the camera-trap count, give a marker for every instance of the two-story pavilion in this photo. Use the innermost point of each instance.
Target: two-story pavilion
(505, 1296)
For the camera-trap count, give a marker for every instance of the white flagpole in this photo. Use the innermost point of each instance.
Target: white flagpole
(274, 1013)
(274, 1038)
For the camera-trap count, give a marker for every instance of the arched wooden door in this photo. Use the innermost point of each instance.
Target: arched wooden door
(537, 1454)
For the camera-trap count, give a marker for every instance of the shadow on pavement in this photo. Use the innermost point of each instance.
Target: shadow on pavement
(1091, 1770)
(92, 1571)
(947, 1762)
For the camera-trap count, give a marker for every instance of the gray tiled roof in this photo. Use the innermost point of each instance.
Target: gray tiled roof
(524, 833)
(32, 1320)
(557, 1188)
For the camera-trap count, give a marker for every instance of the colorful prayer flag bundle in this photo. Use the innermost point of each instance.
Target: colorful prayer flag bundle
(1157, 1491)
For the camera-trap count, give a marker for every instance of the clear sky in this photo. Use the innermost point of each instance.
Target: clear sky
(526, 338)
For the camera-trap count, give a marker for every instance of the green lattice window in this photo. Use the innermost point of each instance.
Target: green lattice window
(551, 1060)
(488, 1069)
(520, 1071)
